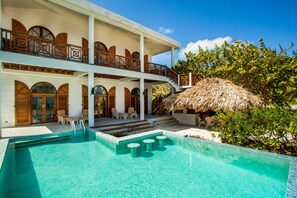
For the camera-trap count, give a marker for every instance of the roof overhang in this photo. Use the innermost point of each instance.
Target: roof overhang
(99, 13)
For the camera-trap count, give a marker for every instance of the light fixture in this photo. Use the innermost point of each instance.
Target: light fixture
(93, 91)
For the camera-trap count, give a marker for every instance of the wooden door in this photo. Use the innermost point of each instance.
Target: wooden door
(127, 99)
(100, 106)
(128, 57)
(111, 100)
(62, 98)
(22, 104)
(85, 97)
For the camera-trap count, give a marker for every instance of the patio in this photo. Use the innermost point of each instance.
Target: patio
(179, 129)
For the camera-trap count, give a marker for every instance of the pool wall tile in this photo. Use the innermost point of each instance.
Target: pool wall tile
(3, 148)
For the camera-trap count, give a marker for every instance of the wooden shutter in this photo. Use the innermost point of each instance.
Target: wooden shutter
(22, 103)
(85, 46)
(61, 42)
(18, 27)
(128, 56)
(127, 99)
(145, 102)
(146, 64)
(85, 97)
(62, 98)
(111, 100)
(112, 54)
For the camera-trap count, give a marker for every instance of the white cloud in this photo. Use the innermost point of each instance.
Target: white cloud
(204, 44)
(164, 30)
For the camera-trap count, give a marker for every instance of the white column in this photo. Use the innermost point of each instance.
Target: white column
(91, 99)
(172, 57)
(141, 98)
(1, 24)
(190, 79)
(141, 51)
(91, 39)
(1, 117)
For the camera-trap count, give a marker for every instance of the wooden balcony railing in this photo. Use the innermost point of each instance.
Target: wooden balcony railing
(23, 43)
(162, 70)
(116, 61)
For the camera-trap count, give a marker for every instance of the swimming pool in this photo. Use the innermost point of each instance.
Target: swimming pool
(83, 167)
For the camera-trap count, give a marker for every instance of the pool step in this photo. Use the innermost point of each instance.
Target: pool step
(165, 121)
(41, 141)
(126, 128)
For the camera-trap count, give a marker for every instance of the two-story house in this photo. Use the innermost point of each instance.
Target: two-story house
(75, 55)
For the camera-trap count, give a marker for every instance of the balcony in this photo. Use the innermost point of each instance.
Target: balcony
(26, 44)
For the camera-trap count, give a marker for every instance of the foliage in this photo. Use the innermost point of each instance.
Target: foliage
(161, 90)
(271, 129)
(260, 70)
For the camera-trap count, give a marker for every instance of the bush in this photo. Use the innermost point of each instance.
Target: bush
(270, 129)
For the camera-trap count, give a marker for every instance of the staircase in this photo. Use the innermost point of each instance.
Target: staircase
(168, 120)
(125, 128)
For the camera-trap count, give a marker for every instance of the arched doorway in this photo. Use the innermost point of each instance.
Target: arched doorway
(100, 101)
(135, 99)
(43, 103)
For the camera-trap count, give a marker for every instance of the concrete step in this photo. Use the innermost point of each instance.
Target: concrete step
(165, 121)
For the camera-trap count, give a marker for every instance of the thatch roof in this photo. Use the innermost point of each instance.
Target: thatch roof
(215, 94)
(167, 102)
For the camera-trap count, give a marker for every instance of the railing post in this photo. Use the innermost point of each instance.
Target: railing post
(190, 79)
(178, 80)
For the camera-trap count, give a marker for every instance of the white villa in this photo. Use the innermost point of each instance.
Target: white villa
(73, 55)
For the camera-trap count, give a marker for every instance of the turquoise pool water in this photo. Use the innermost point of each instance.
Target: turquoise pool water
(83, 167)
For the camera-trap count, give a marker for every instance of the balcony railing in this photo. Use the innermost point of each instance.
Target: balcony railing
(23, 43)
(116, 61)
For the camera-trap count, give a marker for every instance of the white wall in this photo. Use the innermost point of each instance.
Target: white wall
(58, 19)
(75, 91)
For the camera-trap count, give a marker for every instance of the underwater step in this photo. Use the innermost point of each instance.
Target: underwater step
(41, 140)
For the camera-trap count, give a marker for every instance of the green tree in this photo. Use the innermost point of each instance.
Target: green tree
(161, 90)
(261, 70)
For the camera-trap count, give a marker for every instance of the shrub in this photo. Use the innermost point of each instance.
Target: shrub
(271, 129)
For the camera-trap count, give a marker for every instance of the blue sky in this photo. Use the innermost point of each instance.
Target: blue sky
(211, 21)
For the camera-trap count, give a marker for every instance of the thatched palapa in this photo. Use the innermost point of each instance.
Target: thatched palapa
(167, 102)
(215, 94)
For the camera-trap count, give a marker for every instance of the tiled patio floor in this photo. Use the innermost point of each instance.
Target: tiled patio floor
(53, 128)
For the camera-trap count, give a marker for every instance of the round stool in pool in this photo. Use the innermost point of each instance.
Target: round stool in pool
(149, 144)
(133, 147)
(161, 139)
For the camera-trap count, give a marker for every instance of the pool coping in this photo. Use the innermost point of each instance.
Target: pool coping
(291, 190)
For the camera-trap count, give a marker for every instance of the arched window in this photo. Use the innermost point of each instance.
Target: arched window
(41, 32)
(135, 91)
(100, 90)
(100, 47)
(43, 87)
(136, 55)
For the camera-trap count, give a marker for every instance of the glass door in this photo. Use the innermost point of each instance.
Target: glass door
(100, 106)
(36, 106)
(43, 108)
